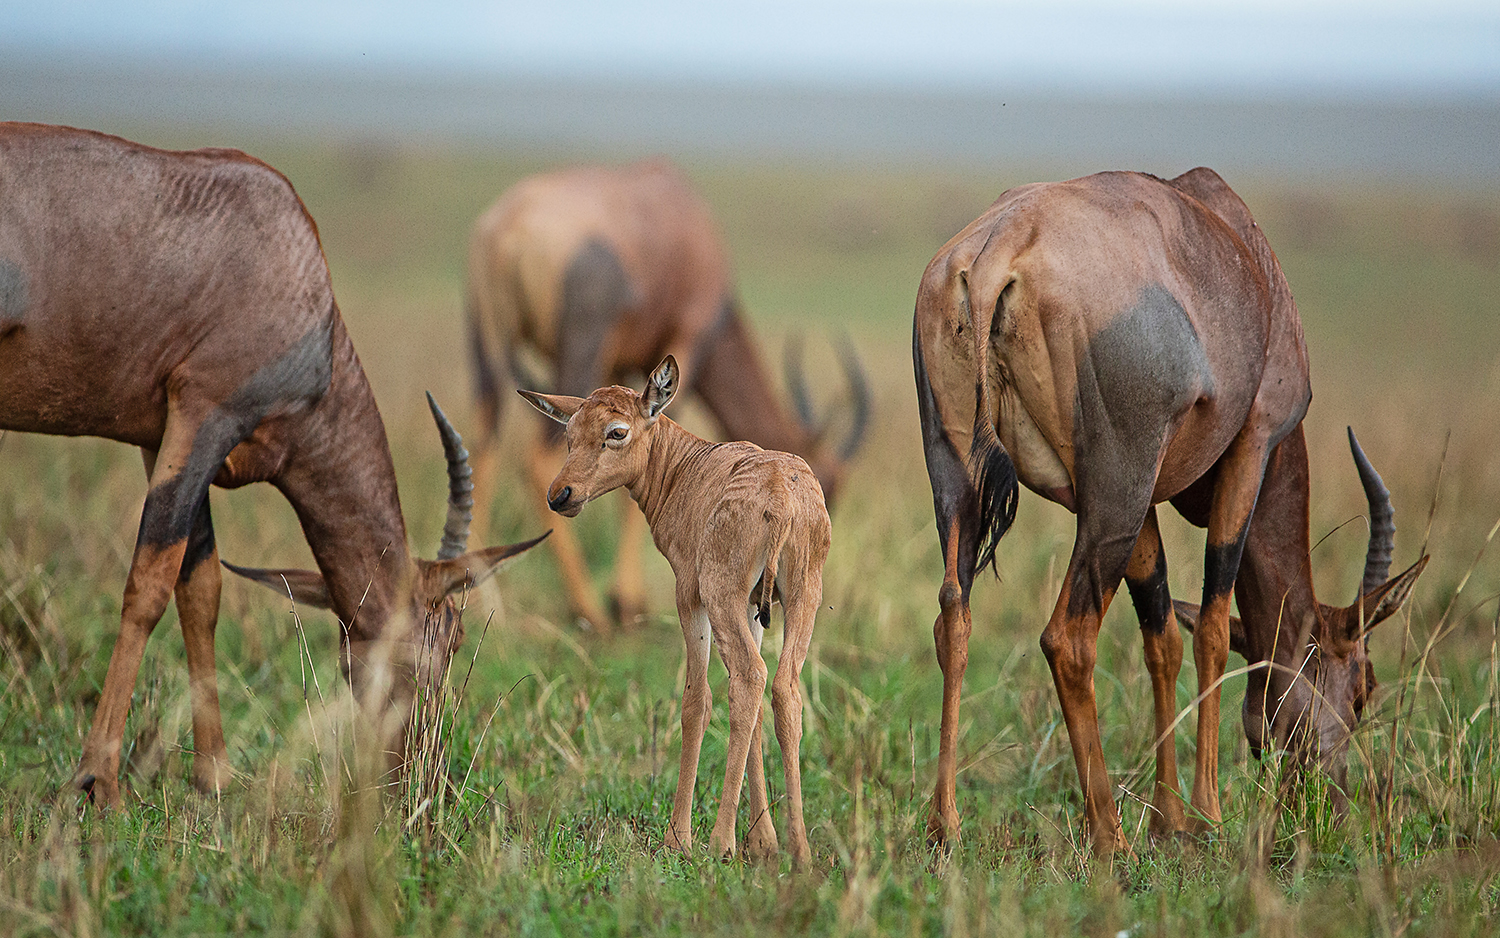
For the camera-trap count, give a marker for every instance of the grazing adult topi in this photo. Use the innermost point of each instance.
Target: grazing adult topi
(180, 303)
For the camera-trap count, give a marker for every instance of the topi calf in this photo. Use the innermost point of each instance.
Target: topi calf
(740, 526)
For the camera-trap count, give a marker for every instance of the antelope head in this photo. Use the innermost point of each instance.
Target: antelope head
(424, 625)
(1318, 678)
(608, 435)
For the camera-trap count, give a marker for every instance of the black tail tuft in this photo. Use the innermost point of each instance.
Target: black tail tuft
(998, 494)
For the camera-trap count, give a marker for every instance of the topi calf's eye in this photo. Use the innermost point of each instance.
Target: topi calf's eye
(618, 433)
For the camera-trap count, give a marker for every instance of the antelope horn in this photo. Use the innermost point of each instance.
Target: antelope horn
(1382, 520)
(796, 382)
(859, 394)
(460, 486)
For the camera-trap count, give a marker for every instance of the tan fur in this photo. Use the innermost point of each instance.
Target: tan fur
(641, 249)
(724, 515)
(1117, 341)
(179, 302)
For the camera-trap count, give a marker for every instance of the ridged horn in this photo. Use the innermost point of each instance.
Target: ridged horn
(460, 486)
(859, 395)
(1382, 520)
(796, 383)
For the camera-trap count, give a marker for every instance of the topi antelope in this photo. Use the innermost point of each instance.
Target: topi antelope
(180, 303)
(740, 526)
(1114, 342)
(603, 272)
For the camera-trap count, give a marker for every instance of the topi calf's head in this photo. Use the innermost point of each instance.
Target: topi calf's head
(608, 435)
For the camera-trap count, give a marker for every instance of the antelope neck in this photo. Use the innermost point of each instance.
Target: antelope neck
(674, 452)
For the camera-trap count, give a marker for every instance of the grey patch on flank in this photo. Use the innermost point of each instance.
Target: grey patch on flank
(12, 295)
(595, 290)
(1134, 377)
(298, 378)
(1140, 372)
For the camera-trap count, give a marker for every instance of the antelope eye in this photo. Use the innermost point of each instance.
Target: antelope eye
(618, 433)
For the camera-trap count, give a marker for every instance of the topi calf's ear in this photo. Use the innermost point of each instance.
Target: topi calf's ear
(449, 576)
(557, 406)
(304, 586)
(1382, 602)
(660, 388)
(1187, 615)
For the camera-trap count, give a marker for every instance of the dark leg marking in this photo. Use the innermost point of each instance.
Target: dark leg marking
(1221, 563)
(297, 379)
(1152, 598)
(200, 545)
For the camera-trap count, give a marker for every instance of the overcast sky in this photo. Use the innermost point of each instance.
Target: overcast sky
(1338, 47)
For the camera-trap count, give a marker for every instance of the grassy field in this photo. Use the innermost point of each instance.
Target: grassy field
(563, 746)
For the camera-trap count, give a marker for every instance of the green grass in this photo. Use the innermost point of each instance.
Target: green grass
(566, 745)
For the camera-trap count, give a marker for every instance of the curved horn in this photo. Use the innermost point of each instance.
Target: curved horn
(859, 394)
(460, 486)
(796, 382)
(1382, 520)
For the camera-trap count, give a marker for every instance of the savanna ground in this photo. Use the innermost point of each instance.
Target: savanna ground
(563, 745)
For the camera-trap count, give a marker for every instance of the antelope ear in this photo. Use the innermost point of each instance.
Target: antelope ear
(660, 388)
(557, 406)
(1382, 602)
(1187, 615)
(471, 569)
(304, 586)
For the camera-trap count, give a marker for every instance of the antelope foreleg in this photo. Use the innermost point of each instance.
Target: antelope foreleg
(1239, 479)
(697, 706)
(179, 485)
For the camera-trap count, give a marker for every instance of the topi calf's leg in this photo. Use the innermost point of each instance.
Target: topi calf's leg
(747, 687)
(760, 840)
(786, 703)
(697, 705)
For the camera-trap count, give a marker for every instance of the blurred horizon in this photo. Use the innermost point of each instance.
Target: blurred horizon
(1385, 49)
(1309, 90)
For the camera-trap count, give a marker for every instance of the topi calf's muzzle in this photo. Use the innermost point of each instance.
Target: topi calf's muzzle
(562, 502)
